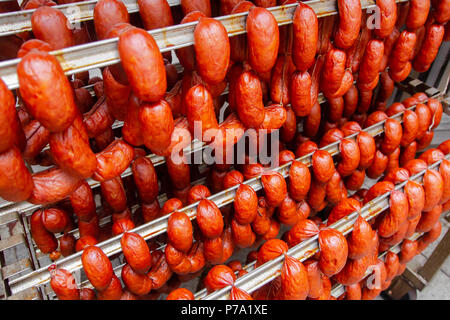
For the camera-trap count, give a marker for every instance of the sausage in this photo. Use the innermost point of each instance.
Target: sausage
(136, 252)
(378, 189)
(147, 76)
(370, 64)
(218, 277)
(436, 109)
(433, 185)
(423, 113)
(333, 71)
(245, 204)
(113, 160)
(275, 188)
(179, 231)
(263, 39)
(33, 44)
(131, 130)
(250, 107)
(114, 194)
(396, 216)
(350, 13)
(104, 139)
(82, 201)
(200, 110)
(157, 125)
(45, 241)
(392, 136)
(430, 48)
(212, 50)
(350, 156)
(441, 11)
(52, 185)
(306, 35)
(312, 121)
(51, 25)
(334, 251)
(155, 14)
(360, 241)
(98, 119)
(203, 6)
(97, 267)
(89, 227)
(67, 244)
(355, 180)
(350, 101)
(113, 291)
(122, 225)
(388, 17)
(117, 95)
(108, 13)
(367, 148)
(417, 13)
(138, 284)
(242, 235)
(11, 132)
(209, 219)
(410, 128)
(323, 166)
(46, 91)
(16, 183)
(187, 55)
(55, 220)
(344, 208)
(71, 151)
(279, 81)
(402, 53)
(294, 280)
(299, 180)
(64, 285)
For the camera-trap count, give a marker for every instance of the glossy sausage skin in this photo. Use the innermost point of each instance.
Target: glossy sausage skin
(333, 71)
(212, 50)
(45, 240)
(46, 91)
(11, 132)
(275, 188)
(97, 267)
(98, 119)
(51, 25)
(64, 285)
(417, 13)
(52, 185)
(200, 109)
(306, 34)
(137, 252)
(143, 64)
(349, 23)
(430, 48)
(145, 178)
(155, 14)
(249, 99)
(300, 93)
(209, 219)
(114, 194)
(82, 201)
(203, 6)
(131, 130)
(16, 183)
(71, 150)
(263, 39)
(112, 161)
(388, 17)
(323, 166)
(157, 125)
(179, 231)
(108, 13)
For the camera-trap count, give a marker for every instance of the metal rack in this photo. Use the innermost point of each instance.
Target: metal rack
(103, 53)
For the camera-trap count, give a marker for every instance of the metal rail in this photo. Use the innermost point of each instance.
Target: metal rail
(156, 227)
(272, 269)
(103, 53)
(19, 21)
